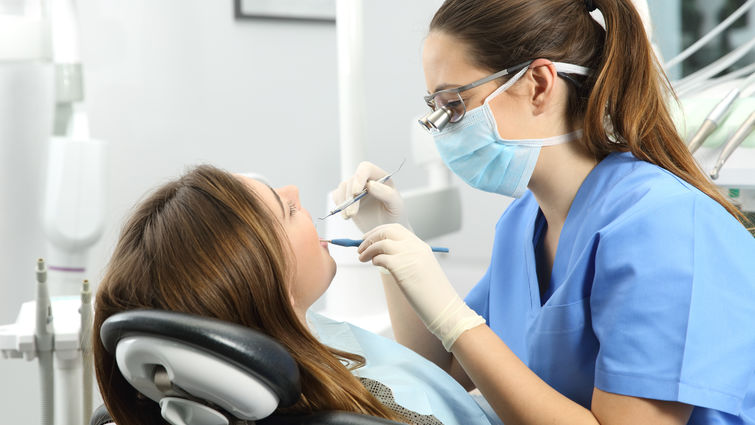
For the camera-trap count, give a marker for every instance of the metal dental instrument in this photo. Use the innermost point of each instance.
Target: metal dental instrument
(739, 136)
(361, 194)
(718, 114)
(357, 242)
(713, 120)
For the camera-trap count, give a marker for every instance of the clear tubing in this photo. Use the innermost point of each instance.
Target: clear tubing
(709, 36)
(747, 70)
(683, 85)
(747, 83)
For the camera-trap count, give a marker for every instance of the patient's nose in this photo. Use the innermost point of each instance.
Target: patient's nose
(291, 192)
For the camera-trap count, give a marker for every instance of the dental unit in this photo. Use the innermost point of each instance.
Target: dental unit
(72, 221)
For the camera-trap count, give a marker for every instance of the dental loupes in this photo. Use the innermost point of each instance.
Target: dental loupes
(361, 194)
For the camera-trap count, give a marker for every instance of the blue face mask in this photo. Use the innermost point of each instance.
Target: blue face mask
(474, 151)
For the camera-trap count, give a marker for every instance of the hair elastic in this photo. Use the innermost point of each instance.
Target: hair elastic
(590, 5)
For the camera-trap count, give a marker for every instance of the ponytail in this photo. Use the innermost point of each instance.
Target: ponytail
(630, 95)
(622, 107)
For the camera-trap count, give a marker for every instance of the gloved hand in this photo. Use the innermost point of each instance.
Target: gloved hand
(421, 279)
(382, 205)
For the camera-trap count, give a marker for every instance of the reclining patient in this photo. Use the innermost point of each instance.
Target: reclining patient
(230, 247)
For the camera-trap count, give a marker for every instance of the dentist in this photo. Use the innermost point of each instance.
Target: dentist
(621, 286)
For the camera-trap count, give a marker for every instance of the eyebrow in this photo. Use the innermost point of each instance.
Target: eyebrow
(283, 210)
(444, 86)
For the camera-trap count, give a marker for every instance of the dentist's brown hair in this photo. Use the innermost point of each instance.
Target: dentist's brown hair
(206, 244)
(621, 107)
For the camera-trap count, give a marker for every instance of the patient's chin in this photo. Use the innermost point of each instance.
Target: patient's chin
(333, 267)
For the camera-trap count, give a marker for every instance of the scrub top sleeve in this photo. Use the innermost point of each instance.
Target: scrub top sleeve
(670, 297)
(478, 299)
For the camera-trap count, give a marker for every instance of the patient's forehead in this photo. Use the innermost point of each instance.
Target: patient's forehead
(265, 192)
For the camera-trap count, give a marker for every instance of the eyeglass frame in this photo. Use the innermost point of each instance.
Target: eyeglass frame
(457, 90)
(430, 97)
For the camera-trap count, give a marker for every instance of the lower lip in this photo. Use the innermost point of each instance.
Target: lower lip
(324, 245)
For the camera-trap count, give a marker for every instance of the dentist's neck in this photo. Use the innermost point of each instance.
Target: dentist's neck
(558, 175)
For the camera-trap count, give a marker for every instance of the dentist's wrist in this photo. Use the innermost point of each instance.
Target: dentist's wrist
(455, 319)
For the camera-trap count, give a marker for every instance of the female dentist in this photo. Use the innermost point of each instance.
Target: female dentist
(621, 288)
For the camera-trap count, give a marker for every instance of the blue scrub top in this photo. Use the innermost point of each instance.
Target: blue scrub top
(652, 294)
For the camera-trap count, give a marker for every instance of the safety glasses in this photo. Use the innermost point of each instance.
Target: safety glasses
(448, 106)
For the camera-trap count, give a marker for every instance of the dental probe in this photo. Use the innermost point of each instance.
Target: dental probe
(713, 119)
(357, 242)
(739, 136)
(361, 194)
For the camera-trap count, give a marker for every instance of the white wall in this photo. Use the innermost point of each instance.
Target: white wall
(173, 83)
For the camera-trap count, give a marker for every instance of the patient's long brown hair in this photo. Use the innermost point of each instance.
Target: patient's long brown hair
(621, 107)
(206, 244)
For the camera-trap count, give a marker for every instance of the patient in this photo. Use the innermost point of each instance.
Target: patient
(230, 247)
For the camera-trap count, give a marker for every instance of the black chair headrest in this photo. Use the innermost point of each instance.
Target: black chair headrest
(249, 350)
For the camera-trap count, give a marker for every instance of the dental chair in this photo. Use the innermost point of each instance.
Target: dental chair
(204, 371)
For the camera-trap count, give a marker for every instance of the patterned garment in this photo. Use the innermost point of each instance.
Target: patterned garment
(385, 396)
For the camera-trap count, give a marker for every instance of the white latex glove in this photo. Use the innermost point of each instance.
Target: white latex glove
(421, 279)
(382, 205)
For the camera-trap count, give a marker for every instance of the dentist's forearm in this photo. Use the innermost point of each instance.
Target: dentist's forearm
(516, 393)
(408, 328)
(519, 396)
(411, 332)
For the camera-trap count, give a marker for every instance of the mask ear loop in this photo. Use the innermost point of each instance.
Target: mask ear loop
(561, 67)
(507, 84)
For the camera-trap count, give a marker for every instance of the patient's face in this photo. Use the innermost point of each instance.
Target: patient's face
(315, 267)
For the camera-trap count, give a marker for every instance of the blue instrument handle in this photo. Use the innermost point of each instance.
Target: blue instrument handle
(357, 242)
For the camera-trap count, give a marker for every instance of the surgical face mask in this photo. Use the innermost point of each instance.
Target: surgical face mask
(473, 149)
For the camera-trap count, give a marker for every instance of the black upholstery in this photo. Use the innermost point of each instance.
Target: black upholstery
(252, 351)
